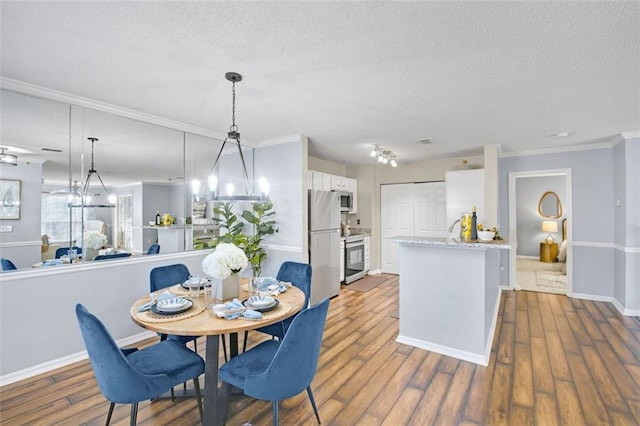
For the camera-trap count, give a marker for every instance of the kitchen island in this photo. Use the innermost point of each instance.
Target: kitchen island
(449, 295)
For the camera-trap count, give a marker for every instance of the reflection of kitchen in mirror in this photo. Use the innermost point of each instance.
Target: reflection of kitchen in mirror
(143, 180)
(541, 249)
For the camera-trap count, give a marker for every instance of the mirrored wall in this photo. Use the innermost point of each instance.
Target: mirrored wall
(136, 171)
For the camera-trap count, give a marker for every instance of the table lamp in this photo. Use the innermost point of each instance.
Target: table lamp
(549, 226)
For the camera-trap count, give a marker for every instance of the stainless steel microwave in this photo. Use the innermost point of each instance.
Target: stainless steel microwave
(346, 201)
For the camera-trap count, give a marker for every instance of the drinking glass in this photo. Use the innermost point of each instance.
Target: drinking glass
(209, 294)
(254, 286)
(194, 286)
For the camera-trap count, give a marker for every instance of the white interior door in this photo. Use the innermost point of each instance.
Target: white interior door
(429, 209)
(396, 219)
(410, 209)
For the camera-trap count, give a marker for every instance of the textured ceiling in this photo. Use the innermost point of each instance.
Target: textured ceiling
(347, 74)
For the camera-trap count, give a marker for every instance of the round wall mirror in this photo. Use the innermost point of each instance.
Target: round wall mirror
(550, 205)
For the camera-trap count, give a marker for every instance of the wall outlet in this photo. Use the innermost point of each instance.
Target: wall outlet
(358, 221)
(6, 228)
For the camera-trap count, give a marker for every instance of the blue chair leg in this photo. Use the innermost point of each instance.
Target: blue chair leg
(313, 403)
(113, 404)
(275, 413)
(134, 414)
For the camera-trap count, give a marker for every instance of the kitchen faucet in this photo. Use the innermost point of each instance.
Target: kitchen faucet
(453, 224)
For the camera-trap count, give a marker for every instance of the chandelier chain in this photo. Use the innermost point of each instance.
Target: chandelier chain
(233, 127)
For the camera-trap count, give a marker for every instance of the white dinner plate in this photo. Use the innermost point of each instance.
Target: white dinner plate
(174, 304)
(261, 302)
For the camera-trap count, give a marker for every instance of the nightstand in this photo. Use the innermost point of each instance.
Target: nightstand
(548, 252)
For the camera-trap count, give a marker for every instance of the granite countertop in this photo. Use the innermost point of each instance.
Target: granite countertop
(450, 242)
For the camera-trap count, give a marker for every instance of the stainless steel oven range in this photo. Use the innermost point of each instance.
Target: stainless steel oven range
(354, 258)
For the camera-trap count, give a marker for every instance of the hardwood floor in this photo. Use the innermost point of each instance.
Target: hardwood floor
(554, 360)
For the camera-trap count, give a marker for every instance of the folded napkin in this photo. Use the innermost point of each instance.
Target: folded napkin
(247, 313)
(234, 304)
(251, 314)
(281, 287)
(229, 310)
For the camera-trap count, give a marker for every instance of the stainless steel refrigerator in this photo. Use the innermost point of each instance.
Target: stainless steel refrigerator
(324, 244)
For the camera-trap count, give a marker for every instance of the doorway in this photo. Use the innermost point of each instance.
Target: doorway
(527, 270)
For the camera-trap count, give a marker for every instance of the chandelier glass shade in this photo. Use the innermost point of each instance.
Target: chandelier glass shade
(384, 156)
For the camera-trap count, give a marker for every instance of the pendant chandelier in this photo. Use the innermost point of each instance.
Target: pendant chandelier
(233, 137)
(85, 195)
(7, 159)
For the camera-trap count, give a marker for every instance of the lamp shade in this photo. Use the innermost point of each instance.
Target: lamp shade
(549, 226)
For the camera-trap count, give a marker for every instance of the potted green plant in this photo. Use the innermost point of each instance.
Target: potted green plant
(260, 217)
(263, 224)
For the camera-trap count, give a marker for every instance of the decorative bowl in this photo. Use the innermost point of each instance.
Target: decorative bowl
(486, 235)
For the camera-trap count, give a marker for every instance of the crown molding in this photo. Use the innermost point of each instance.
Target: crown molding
(279, 141)
(59, 96)
(567, 148)
(631, 135)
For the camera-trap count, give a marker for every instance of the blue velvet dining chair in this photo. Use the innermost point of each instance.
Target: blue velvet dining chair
(154, 249)
(63, 251)
(278, 369)
(7, 265)
(298, 274)
(167, 276)
(129, 376)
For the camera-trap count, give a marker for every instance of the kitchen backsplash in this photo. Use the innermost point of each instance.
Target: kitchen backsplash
(365, 231)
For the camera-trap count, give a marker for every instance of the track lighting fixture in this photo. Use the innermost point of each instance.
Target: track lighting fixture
(384, 156)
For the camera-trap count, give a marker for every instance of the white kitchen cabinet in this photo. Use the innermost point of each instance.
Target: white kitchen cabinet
(342, 242)
(367, 254)
(320, 181)
(339, 183)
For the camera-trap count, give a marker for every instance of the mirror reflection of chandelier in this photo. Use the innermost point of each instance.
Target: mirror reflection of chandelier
(233, 137)
(85, 194)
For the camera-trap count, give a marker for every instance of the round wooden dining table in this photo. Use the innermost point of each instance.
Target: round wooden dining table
(200, 321)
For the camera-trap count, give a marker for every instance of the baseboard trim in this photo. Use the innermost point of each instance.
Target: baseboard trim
(45, 367)
(619, 306)
(492, 329)
(444, 350)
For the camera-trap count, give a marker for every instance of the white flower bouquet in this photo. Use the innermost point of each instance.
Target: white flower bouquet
(94, 240)
(227, 259)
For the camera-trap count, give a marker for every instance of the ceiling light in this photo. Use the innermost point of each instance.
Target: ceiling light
(233, 136)
(85, 200)
(7, 159)
(384, 156)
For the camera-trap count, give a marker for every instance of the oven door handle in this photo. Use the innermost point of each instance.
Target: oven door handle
(355, 244)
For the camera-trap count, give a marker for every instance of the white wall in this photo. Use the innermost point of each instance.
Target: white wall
(596, 261)
(38, 327)
(22, 244)
(284, 164)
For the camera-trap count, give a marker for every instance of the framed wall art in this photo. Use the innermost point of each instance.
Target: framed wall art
(9, 199)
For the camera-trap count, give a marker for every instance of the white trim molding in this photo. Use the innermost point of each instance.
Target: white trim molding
(59, 96)
(567, 148)
(21, 244)
(45, 367)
